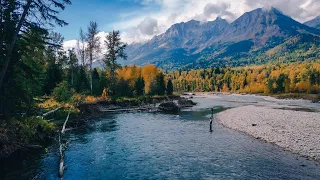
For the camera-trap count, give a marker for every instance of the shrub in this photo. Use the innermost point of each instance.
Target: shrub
(27, 130)
(104, 95)
(62, 92)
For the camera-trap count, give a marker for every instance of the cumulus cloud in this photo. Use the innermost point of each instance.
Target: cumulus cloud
(148, 26)
(300, 10)
(220, 9)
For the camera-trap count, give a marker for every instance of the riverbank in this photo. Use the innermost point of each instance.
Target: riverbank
(295, 131)
(315, 98)
(36, 131)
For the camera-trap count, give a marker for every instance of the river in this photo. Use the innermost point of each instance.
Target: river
(167, 146)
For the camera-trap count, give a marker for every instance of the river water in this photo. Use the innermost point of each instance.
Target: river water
(166, 146)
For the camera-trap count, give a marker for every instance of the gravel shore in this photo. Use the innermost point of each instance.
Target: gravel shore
(295, 131)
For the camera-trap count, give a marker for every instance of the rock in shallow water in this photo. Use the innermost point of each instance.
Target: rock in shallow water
(169, 107)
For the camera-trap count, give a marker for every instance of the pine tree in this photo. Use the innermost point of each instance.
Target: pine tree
(139, 86)
(115, 50)
(72, 65)
(82, 83)
(20, 16)
(169, 87)
(158, 87)
(95, 82)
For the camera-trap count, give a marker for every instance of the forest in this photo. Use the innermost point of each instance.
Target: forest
(299, 77)
(38, 75)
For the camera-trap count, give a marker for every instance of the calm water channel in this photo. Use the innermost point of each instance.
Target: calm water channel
(166, 146)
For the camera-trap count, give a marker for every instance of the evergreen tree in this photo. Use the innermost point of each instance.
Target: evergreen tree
(96, 82)
(169, 87)
(123, 89)
(158, 87)
(103, 81)
(281, 83)
(139, 86)
(115, 50)
(20, 16)
(82, 83)
(53, 78)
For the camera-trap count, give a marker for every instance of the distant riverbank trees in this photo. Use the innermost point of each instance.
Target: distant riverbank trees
(303, 77)
(147, 80)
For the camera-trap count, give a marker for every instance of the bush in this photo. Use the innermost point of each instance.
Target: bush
(27, 130)
(62, 92)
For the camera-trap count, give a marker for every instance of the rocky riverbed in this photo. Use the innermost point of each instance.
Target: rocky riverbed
(294, 130)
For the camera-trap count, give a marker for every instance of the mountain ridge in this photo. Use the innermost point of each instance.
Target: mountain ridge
(195, 43)
(315, 23)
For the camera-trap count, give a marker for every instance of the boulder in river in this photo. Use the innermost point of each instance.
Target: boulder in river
(186, 103)
(171, 107)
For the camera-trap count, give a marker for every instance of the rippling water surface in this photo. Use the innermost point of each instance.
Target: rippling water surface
(166, 146)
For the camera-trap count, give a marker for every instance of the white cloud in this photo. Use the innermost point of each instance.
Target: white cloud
(220, 9)
(148, 26)
(300, 10)
(69, 44)
(143, 25)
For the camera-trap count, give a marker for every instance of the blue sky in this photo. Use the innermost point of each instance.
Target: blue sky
(104, 12)
(140, 20)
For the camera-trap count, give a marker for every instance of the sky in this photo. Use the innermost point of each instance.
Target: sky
(140, 20)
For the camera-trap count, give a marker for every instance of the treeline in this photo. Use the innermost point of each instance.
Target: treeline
(269, 79)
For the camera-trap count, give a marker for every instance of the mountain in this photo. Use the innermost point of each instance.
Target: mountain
(194, 44)
(315, 23)
(179, 40)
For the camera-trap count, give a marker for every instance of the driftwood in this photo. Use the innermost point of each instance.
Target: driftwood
(129, 109)
(50, 112)
(62, 147)
(65, 123)
(61, 163)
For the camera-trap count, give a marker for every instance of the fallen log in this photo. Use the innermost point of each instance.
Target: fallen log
(50, 112)
(61, 147)
(65, 123)
(129, 109)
